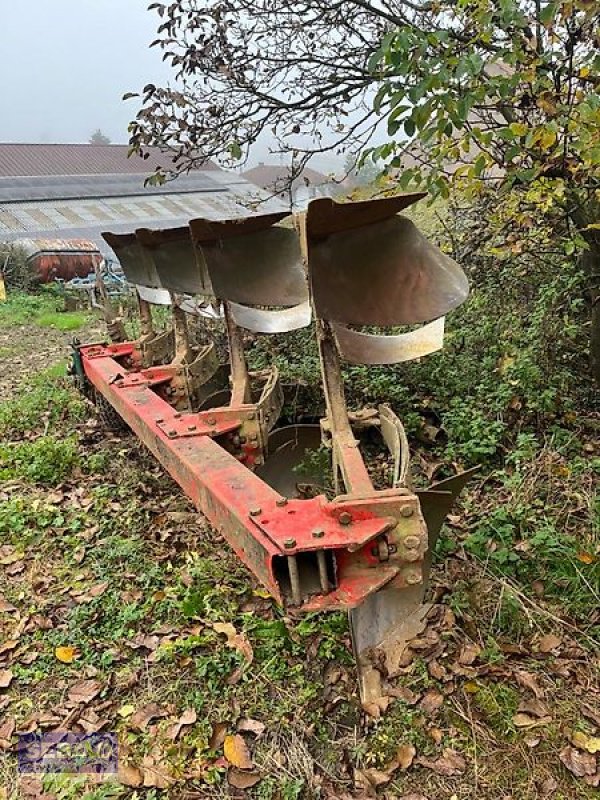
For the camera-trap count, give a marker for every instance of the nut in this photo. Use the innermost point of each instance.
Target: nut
(289, 543)
(256, 511)
(318, 533)
(211, 421)
(281, 502)
(412, 542)
(407, 511)
(345, 518)
(412, 578)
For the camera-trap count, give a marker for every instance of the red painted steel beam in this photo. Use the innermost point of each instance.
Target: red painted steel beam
(263, 528)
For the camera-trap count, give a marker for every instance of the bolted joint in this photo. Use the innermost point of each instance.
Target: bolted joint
(289, 543)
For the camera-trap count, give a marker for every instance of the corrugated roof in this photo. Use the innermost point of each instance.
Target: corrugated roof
(23, 160)
(86, 219)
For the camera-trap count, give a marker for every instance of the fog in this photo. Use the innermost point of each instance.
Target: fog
(66, 64)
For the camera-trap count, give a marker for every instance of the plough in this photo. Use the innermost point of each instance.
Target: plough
(216, 427)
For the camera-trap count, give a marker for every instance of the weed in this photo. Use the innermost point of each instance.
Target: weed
(47, 460)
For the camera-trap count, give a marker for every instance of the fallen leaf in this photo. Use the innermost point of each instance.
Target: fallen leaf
(548, 787)
(522, 720)
(367, 780)
(235, 640)
(5, 607)
(528, 681)
(593, 714)
(469, 654)
(578, 763)
(156, 775)
(6, 677)
(130, 776)
(242, 780)
(431, 702)
(586, 558)
(126, 711)
(448, 764)
(188, 717)
(144, 715)
(548, 643)
(236, 752)
(8, 645)
(84, 692)
(7, 728)
(66, 654)
(405, 756)
(251, 726)
(217, 738)
(533, 707)
(585, 742)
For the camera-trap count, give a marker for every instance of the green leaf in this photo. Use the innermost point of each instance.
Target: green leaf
(548, 14)
(409, 128)
(235, 150)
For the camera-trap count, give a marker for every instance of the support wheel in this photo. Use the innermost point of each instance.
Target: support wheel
(107, 415)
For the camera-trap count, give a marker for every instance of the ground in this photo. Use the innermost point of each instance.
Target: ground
(122, 612)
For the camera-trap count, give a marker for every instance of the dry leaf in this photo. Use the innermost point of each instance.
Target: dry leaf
(432, 701)
(155, 774)
(548, 643)
(7, 728)
(144, 715)
(578, 763)
(591, 713)
(528, 681)
(126, 711)
(367, 780)
(66, 654)
(405, 756)
(548, 787)
(534, 708)
(236, 752)
(5, 607)
(469, 654)
(448, 764)
(188, 717)
(218, 735)
(585, 742)
(585, 558)
(242, 780)
(84, 692)
(130, 776)
(6, 677)
(235, 640)
(522, 720)
(251, 726)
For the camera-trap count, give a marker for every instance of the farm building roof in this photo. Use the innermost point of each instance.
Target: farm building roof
(34, 160)
(39, 201)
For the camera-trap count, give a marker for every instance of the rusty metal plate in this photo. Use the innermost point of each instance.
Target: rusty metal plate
(179, 265)
(367, 348)
(137, 267)
(286, 467)
(377, 268)
(260, 320)
(252, 261)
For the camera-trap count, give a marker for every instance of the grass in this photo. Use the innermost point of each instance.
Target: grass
(107, 557)
(44, 308)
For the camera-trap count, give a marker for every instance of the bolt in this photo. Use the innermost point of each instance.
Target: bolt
(281, 502)
(159, 421)
(345, 518)
(289, 543)
(412, 542)
(171, 434)
(177, 416)
(318, 533)
(407, 511)
(211, 421)
(253, 437)
(256, 511)
(413, 578)
(191, 427)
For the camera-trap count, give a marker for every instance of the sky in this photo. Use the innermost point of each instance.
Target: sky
(66, 64)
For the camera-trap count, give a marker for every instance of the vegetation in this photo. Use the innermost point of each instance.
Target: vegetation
(45, 307)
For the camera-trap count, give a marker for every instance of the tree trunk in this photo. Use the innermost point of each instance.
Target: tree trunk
(591, 264)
